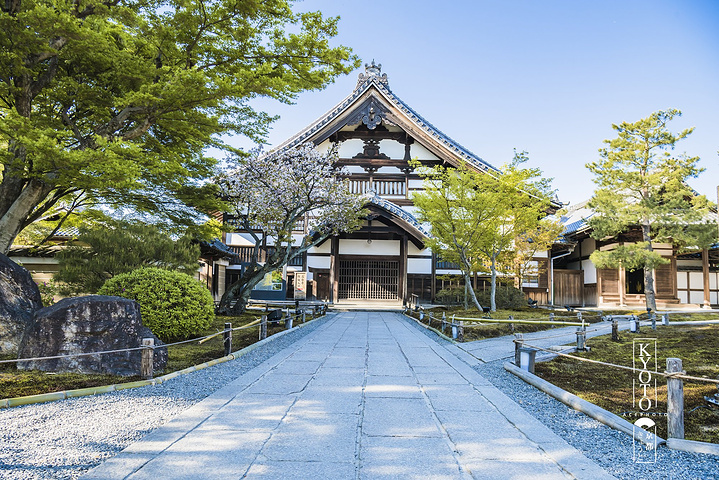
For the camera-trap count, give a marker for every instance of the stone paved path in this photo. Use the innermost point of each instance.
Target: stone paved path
(365, 396)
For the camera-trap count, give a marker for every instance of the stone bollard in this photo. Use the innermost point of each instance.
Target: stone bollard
(634, 324)
(526, 359)
(654, 320)
(147, 358)
(665, 319)
(518, 343)
(581, 340)
(615, 330)
(227, 338)
(421, 315)
(454, 329)
(304, 316)
(675, 400)
(289, 320)
(263, 327)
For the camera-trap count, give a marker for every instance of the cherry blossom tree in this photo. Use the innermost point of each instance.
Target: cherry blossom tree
(269, 194)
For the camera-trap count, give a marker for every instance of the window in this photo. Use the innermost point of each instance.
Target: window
(531, 274)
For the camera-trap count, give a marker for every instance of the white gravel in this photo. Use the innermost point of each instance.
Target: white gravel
(65, 439)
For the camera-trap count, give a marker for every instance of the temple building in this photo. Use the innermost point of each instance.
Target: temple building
(386, 260)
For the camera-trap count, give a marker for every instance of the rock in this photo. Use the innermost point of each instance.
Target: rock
(19, 299)
(89, 324)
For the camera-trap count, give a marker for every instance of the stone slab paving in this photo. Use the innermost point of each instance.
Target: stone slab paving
(365, 396)
(491, 349)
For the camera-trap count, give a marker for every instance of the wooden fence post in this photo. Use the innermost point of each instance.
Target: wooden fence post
(227, 337)
(263, 327)
(615, 330)
(146, 364)
(675, 400)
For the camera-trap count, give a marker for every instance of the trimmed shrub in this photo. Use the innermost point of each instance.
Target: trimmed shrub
(507, 297)
(173, 304)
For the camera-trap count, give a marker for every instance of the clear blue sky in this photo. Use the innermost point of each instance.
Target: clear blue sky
(549, 77)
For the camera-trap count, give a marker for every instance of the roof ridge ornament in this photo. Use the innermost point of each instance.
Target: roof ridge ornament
(372, 71)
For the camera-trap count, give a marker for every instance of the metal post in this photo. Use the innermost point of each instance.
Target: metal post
(146, 363)
(665, 319)
(304, 316)
(289, 320)
(675, 400)
(227, 338)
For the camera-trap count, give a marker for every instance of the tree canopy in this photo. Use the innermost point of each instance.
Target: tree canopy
(111, 247)
(477, 218)
(641, 184)
(270, 194)
(116, 100)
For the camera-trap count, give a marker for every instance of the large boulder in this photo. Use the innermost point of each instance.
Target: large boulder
(89, 324)
(19, 299)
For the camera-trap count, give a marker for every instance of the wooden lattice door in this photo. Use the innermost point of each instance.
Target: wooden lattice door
(368, 279)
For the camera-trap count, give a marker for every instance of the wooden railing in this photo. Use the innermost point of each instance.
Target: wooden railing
(382, 187)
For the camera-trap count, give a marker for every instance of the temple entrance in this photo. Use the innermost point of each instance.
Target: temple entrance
(368, 279)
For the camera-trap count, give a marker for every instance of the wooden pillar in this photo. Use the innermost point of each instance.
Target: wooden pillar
(622, 286)
(402, 290)
(705, 277)
(334, 268)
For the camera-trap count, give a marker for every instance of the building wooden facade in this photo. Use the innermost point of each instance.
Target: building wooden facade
(376, 135)
(687, 279)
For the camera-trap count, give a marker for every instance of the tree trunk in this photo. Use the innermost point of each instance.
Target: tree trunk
(493, 286)
(234, 300)
(467, 281)
(649, 293)
(11, 223)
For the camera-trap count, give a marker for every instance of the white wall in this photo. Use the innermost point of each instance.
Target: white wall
(419, 265)
(590, 271)
(421, 153)
(318, 262)
(361, 247)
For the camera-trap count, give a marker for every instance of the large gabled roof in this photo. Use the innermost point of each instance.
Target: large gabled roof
(372, 94)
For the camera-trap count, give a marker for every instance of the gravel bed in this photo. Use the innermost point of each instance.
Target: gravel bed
(607, 447)
(65, 439)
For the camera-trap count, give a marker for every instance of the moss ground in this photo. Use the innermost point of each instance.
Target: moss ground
(611, 389)
(15, 383)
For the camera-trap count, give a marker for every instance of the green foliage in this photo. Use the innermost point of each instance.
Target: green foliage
(48, 290)
(173, 304)
(642, 184)
(477, 217)
(118, 101)
(113, 247)
(506, 296)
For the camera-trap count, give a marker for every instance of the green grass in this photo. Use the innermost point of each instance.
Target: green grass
(611, 388)
(492, 330)
(15, 383)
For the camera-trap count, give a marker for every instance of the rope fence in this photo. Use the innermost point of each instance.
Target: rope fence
(258, 322)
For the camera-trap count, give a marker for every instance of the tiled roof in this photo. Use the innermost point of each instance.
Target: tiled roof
(399, 211)
(372, 79)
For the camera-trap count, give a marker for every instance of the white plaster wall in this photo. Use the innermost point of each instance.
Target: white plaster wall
(542, 254)
(350, 148)
(318, 262)
(392, 148)
(240, 240)
(361, 247)
(326, 247)
(413, 250)
(448, 272)
(696, 281)
(696, 297)
(689, 263)
(712, 281)
(419, 265)
(416, 183)
(682, 296)
(590, 271)
(418, 151)
(681, 280)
